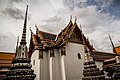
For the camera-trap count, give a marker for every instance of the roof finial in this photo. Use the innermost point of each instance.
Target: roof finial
(23, 40)
(70, 17)
(75, 19)
(80, 27)
(31, 30)
(36, 29)
(112, 44)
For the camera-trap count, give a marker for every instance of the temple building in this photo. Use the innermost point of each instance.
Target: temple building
(68, 55)
(21, 67)
(61, 57)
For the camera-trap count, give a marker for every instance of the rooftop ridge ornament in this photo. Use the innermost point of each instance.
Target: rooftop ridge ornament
(75, 19)
(71, 17)
(23, 40)
(36, 29)
(31, 30)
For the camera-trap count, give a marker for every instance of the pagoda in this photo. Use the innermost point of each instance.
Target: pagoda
(21, 67)
(91, 72)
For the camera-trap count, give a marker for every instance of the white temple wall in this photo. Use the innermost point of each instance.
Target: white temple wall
(45, 66)
(35, 63)
(56, 65)
(41, 66)
(73, 65)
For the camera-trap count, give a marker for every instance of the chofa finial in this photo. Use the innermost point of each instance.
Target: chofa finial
(75, 18)
(31, 30)
(70, 17)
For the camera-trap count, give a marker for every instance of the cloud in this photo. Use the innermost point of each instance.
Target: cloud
(72, 4)
(53, 24)
(17, 1)
(53, 19)
(8, 42)
(14, 13)
(53, 15)
(104, 3)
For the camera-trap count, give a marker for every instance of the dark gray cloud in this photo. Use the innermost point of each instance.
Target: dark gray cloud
(53, 15)
(14, 13)
(53, 24)
(72, 4)
(17, 1)
(8, 42)
(53, 19)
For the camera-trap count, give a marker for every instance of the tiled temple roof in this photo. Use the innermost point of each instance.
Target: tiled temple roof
(6, 59)
(117, 49)
(49, 40)
(46, 35)
(101, 56)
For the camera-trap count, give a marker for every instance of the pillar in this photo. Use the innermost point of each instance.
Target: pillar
(62, 63)
(51, 52)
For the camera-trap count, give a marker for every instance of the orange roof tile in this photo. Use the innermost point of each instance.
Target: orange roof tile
(5, 55)
(117, 49)
(6, 59)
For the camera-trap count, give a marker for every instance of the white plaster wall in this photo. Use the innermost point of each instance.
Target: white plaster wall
(41, 67)
(37, 65)
(73, 65)
(44, 67)
(56, 65)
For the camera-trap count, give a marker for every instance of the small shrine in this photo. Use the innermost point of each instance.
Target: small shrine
(91, 72)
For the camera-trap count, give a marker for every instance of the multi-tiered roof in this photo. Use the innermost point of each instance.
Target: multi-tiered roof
(71, 33)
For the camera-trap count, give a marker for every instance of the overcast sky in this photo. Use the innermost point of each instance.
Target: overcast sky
(97, 17)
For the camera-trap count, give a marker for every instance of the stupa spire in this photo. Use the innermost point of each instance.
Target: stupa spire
(21, 66)
(23, 40)
(90, 72)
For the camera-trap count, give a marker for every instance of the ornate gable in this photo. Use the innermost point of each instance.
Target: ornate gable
(72, 33)
(75, 34)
